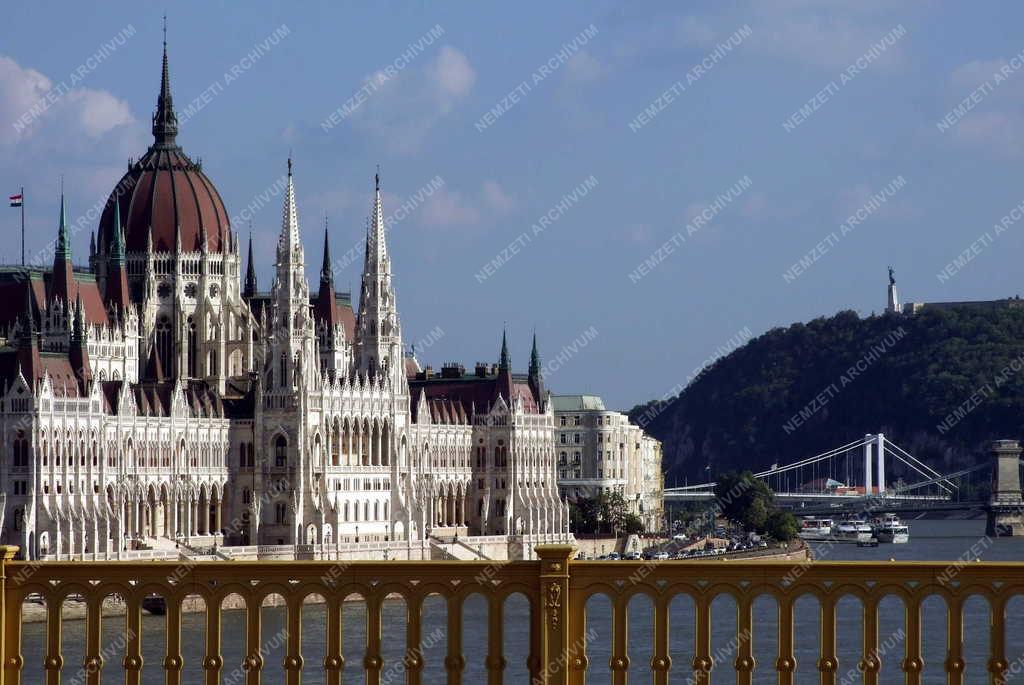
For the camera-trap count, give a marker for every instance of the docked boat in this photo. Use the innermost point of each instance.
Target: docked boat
(889, 528)
(855, 530)
(816, 528)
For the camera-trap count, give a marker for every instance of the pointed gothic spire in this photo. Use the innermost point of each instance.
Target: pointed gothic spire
(376, 246)
(78, 353)
(165, 121)
(63, 250)
(504, 362)
(534, 358)
(28, 346)
(28, 315)
(63, 277)
(250, 272)
(78, 324)
(289, 239)
(326, 272)
(535, 377)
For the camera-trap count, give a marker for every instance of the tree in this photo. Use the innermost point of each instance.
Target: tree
(782, 526)
(632, 524)
(584, 515)
(744, 499)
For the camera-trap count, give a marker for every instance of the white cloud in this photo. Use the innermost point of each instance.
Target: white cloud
(972, 74)
(99, 111)
(449, 208)
(401, 111)
(639, 233)
(997, 132)
(48, 130)
(583, 68)
(825, 36)
(693, 30)
(995, 123)
(32, 106)
(496, 197)
(451, 73)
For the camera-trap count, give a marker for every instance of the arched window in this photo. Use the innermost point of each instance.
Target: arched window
(282, 374)
(280, 452)
(164, 343)
(193, 349)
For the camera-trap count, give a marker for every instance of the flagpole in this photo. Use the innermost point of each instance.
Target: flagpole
(23, 225)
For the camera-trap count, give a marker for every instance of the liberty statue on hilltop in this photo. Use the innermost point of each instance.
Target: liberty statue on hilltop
(893, 304)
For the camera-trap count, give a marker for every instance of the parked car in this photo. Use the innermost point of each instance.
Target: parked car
(661, 556)
(633, 556)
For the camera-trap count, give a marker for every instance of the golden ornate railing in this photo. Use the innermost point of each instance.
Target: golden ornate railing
(556, 589)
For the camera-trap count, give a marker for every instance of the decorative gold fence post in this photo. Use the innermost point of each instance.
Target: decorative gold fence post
(554, 615)
(7, 553)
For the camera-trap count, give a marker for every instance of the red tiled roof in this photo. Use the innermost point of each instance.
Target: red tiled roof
(472, 393)
(12, 295)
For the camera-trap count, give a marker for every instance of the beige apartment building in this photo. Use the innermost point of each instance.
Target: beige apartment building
(599, 450)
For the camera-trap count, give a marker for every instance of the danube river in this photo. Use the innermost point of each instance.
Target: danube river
(930, 541)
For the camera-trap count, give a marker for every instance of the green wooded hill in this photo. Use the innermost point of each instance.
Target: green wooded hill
(941, 384)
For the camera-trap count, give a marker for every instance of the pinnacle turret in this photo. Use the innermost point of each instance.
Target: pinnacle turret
(326, 272)
(504, 362)
(250, 273)
(63, 277)
(535, 377)
(117, 250)
(63, 249)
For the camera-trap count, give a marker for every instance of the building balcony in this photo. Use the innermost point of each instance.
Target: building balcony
(555, 620)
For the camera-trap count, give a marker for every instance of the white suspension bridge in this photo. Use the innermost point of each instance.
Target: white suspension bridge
(850, 475)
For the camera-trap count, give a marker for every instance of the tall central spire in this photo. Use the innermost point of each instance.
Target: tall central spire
(289, 239)
(165, 121)
(378, 242)
(378, 338)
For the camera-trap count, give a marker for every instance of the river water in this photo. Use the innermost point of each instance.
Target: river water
(930, 541)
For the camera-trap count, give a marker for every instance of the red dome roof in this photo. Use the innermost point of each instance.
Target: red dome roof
(165, 193)
(166, 190)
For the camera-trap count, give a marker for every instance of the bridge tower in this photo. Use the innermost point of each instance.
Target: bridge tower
(880, 475)
(1006, 506)
(867, 464)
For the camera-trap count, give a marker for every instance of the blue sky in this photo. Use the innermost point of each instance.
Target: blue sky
(881, 77)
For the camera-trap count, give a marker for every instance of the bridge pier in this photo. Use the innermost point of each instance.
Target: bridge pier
(1006, 506)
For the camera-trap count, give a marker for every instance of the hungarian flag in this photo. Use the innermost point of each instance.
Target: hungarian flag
(16, 200)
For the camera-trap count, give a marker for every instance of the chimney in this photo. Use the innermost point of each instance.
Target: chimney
(452, 370)
(480, 370)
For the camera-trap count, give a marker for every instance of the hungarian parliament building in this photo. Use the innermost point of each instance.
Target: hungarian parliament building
(158, 403)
